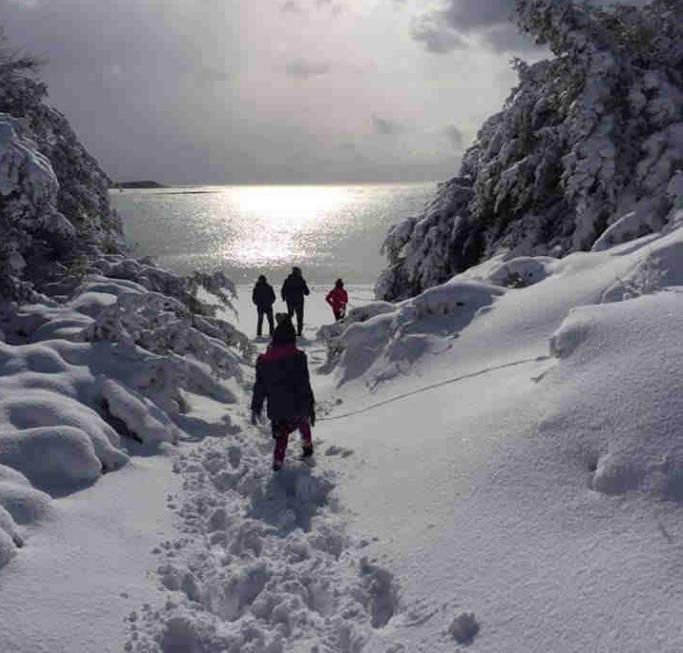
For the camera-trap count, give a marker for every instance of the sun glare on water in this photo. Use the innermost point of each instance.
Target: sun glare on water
(284, 222)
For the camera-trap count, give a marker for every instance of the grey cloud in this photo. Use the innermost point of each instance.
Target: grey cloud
(306, 69)
(303, 6)
(474, 14)
(385, 127)
(507, 38)
(436, 38)
(156, 89)
(489, 19)
(290, 7)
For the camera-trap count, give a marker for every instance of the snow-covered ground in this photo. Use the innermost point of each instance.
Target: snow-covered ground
(495, 466)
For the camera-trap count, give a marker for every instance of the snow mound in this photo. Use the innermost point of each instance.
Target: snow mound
(31, 407)
(522, 271)
(51, 457)
(144, 421)
(617, 394)
(659, 266)
(10, 537)
(25, 504)
(266, 565)
(385, 345)
(631, 226)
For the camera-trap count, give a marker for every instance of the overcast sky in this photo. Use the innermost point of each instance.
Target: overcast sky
(259, 91)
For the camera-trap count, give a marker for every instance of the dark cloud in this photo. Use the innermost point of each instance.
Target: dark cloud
(385, 127)
(436, 38)
(306, 69)
(474, 14)
(490, 20)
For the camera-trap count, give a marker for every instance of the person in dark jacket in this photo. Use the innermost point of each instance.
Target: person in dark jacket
(293, 291)
(282, 379)
(263, 296)
(338, 298)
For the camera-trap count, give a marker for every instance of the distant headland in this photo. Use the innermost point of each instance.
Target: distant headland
(138, 184)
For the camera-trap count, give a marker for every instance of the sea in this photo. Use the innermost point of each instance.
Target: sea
(330, 231)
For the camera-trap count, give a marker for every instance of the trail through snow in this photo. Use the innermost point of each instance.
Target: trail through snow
(263, 562)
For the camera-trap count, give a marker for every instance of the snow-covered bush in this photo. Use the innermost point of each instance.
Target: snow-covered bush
(382, 340)
(587, 144)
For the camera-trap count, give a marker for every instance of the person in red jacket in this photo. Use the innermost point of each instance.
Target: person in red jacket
(338, 298)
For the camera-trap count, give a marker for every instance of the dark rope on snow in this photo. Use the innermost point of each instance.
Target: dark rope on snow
(536, 359)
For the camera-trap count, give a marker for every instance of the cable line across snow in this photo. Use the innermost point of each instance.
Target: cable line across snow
(405, 395)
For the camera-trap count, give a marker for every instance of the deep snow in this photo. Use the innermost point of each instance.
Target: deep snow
(497, 467)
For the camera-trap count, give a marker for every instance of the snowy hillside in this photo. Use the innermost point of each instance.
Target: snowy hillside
(583, 150)
(517, 450)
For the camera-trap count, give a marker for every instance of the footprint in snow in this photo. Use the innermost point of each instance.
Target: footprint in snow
(334, 450)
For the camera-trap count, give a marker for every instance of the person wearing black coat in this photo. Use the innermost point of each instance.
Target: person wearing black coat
(282, 379)
(263, 296)
(293, 291)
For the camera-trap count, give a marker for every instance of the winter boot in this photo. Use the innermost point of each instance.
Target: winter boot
(277, 465)
(308, 451)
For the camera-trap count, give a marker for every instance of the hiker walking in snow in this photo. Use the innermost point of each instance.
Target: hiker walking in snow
(282, 379)
(338, 298)
(263, 296)
(293, 290)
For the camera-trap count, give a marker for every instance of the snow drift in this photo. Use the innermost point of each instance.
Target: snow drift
(617, 397)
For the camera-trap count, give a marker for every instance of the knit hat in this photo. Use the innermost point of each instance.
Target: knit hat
(284, 333)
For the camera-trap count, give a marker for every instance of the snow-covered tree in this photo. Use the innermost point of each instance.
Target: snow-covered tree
(587, 138)
(54, 204)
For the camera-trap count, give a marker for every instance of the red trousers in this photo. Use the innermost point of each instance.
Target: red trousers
(282, 430)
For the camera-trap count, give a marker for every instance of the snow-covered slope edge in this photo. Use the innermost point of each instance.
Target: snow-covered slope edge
(585, 146)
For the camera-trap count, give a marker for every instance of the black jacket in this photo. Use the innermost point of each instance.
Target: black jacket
(282, 378)
(263, 295)
(293, 290)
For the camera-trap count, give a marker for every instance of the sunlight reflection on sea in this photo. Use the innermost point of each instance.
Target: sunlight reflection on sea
(247, 230)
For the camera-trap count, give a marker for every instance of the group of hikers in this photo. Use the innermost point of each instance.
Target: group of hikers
(282, 378)
(293, 291)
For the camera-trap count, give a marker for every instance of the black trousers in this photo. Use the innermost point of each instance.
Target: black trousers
(298, 308)
(268, 312)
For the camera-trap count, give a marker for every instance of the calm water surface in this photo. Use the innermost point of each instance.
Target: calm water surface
(330, 231)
